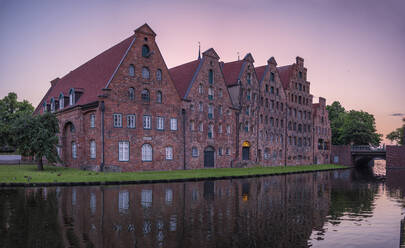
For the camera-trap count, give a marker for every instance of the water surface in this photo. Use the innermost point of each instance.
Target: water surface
(346, 208)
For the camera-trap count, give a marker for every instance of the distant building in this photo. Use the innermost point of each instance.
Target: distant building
(124, 110)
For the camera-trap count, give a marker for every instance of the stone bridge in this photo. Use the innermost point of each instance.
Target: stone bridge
(362, 155)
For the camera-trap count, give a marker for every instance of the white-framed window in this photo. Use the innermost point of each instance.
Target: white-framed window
(71, 97)
(201, 127)
(210, 93)
(44, 105)
(145, 73)
(220, 151)
(61, 101)
(123, 151)
(201, 106)
(52, 105)
(194, 151)
(117, 120)
(92, 120)
(173, 124)
(200, 89)
(192, 125)
(131, 70)
(147, 122)
(160, 123)
(220, 128)
(228, 151)
(146, 198)
(159, 75)
(220, 93)
(159, 97)
(92, 149)
(210, 111)
(131, 121)
(169, 153)
(210, 131)
(147, 152)
(123, 201)
(228, 129)
(220, 109)
(74, 150)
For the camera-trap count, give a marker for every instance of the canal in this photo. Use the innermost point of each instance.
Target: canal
(346, 208)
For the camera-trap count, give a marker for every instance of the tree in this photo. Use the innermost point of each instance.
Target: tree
(359, 129)
(10, 110)
(336, 113)
(352, 127)
(36, 136)
(397, 135)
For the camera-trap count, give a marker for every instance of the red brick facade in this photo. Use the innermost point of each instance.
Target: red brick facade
(124, 110)
(322, 132)
(395, 157)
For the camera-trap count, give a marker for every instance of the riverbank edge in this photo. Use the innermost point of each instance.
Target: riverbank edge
(153, 181)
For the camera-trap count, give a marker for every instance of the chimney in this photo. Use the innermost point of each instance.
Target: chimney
(299, 61)
(53, 82)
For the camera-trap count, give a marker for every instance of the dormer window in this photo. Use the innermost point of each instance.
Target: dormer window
(145, 51)
(44, 105)
(61, 101)
(211, 77)
(71, 97)
(131, 70)
(52, 105)
(145, 73)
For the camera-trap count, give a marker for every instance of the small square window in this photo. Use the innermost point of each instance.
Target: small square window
(117, 120)
(147, 122)
(130, 121)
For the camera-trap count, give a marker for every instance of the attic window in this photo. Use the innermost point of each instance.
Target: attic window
(145, 72)
(159, 75)
(145, 39)
(52, 104)
(61, 101)
(71, 97)
(300, 74)
(44, 106)
(145, 51)
(211, 76)
(272, 76)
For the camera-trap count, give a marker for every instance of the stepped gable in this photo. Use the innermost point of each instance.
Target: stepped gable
(183, 75)
(91, 77)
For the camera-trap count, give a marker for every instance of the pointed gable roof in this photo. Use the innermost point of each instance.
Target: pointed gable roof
(285, 73)
(91, 77)
(145, 29)
(183, 76)
(260, 72)
(232, 71)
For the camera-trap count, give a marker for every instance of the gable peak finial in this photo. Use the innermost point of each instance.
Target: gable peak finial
(199, 50)
(238, 56)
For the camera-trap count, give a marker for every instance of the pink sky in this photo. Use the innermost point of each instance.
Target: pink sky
(354, 50)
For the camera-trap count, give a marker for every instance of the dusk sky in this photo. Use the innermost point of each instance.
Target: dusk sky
(354, 50)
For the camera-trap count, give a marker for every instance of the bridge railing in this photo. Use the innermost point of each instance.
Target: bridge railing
(367, 148)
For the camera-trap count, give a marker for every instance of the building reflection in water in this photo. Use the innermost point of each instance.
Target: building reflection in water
(276, 211)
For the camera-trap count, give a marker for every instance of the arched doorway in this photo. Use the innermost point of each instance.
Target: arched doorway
(67, 144)
(209, 157)
(246, 150)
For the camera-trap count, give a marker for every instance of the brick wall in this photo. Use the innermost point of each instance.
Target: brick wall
(341, 155)
(395, 156)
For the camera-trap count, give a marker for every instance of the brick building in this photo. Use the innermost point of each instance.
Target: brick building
(299, 113)
(124, 110)
(322, 132)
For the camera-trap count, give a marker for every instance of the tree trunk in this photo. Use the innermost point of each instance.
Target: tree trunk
(40, 164)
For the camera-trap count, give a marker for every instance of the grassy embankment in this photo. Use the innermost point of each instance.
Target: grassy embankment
(51, 174)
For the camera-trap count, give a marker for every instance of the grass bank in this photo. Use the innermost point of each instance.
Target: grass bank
(29, 174)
